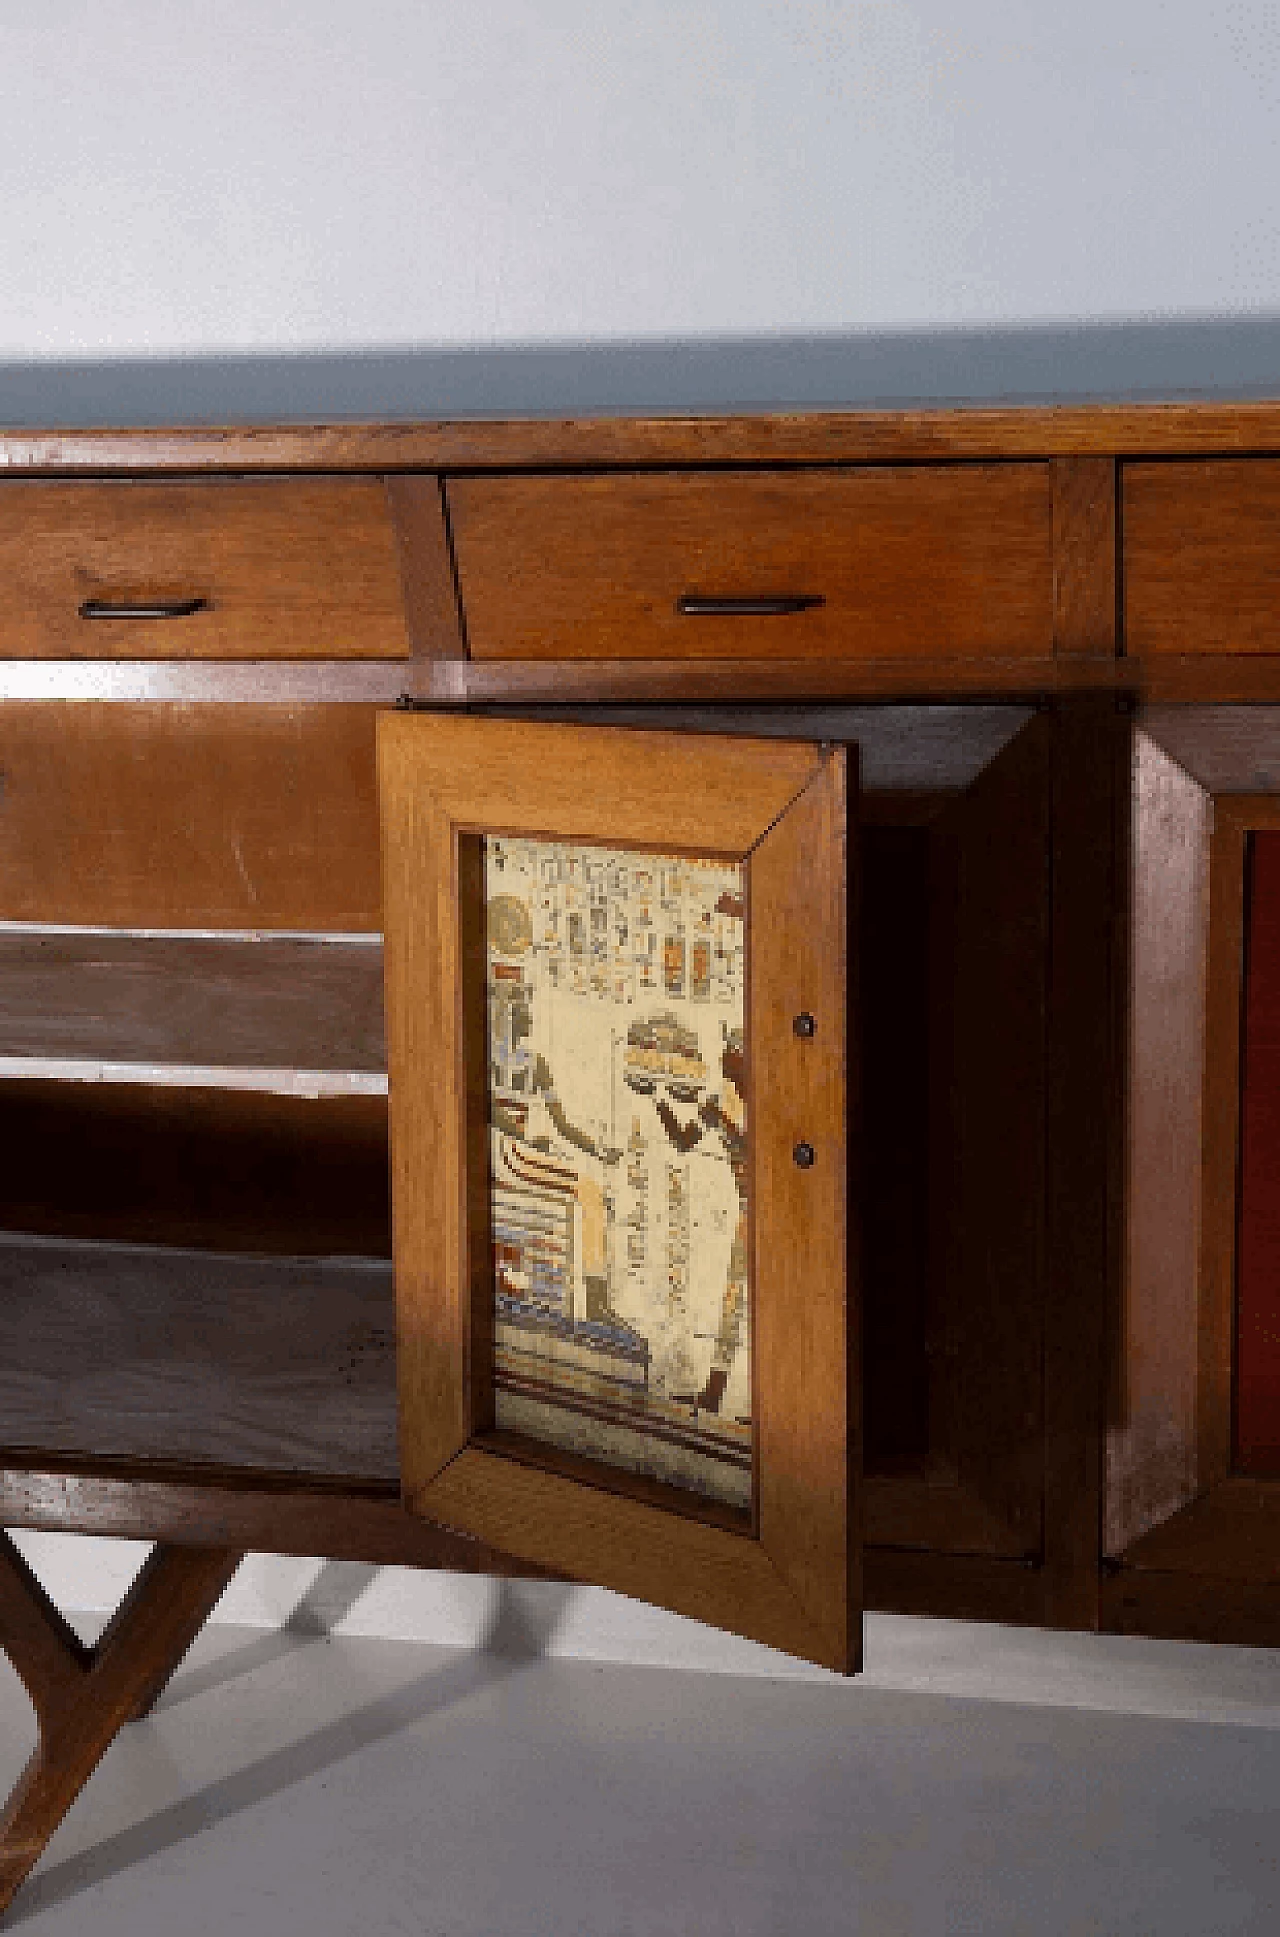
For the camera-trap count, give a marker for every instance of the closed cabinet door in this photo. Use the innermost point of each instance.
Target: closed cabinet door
(617, 992)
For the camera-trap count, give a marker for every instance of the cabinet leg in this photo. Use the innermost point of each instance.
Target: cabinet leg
(83, 1696)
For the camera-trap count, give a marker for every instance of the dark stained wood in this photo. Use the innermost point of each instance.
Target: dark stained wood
(909, 563)
(1192, 1607)
(269, 1008)
(1228, 749)
(990, 871)
(138, 1352)
(926, 434)
(1230, 1532)
(893, 958)
(432, 612)
(917, 750)
(1257, 1342)
(1084, 556)
(954, 1587)
(189, 817)
(199, 1507)
(229, 1170)
(1155, 1391)
(293, 568)
(1085, 1145)
(1219, 932)
(1209, 679)
(1200, 549)
(84, 1696)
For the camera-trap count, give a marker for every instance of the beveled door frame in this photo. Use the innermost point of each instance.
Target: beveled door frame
(791, 1580)
(1202, 783)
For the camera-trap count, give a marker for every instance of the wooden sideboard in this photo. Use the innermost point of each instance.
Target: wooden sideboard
(1045, 646)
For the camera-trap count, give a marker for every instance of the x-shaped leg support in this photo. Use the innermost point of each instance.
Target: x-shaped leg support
(84, 1696)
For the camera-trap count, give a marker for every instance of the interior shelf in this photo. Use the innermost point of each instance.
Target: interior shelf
(297, 1015)
(146, 1352)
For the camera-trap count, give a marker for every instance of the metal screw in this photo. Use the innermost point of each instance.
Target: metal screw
(804, 1154)
(804, 1024)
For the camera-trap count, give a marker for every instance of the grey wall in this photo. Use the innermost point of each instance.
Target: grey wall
(647, 204)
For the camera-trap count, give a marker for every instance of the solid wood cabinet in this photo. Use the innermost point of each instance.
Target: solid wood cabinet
(981, 705)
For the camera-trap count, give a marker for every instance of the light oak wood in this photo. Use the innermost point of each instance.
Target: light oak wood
(806, 1342)
(287, 567)
(706, 795)
(909, 563)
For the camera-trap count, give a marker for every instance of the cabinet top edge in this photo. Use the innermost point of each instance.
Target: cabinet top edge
(960, 433)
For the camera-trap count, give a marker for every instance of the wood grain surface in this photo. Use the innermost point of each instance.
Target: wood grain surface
(1085, 1147)
(294, 568)
(139, 1352)
(1202, 557)
(84, 1695)
(1085, 619)
(230, 1169)
(247, 817)
(990, 1201)
(1151, 1433)
(704, 795)
(922, 434)
(291, 1008)
(907, 563)
(433, 614)
(1257, 1341)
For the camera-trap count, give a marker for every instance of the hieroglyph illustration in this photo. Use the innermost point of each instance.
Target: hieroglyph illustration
(619, 1158)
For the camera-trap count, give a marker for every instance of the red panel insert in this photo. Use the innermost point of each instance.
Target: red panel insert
(1257, 1384)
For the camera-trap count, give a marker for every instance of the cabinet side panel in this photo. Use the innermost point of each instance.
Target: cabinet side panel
(1151, 1428)
(994, 842)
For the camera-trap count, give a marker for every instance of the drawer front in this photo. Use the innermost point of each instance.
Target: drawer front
(899, 563)
(1202, 557)
(241, 568)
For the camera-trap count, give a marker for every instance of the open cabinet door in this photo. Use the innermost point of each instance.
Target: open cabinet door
(617, 991)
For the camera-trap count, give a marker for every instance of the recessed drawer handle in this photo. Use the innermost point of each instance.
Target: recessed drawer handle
(159, 609)
(698, 607)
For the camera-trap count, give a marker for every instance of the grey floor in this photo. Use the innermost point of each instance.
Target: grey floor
(298, 1782)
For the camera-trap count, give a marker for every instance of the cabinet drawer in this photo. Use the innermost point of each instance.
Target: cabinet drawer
(242, 568)
(1202, 556)
(897, 563)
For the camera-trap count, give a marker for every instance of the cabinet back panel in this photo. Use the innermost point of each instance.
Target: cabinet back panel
(200, 816)
(1257, 1408)
(231, 1169)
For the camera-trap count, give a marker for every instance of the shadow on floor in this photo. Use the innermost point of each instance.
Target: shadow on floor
(518, 1635)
